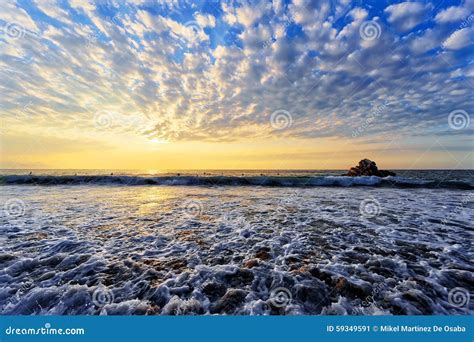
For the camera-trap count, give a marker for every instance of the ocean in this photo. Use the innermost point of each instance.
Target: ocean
(300, 242)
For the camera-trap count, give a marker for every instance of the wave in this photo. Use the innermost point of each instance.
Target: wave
(275, 181)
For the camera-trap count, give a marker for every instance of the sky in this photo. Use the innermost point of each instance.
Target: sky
(177, 84)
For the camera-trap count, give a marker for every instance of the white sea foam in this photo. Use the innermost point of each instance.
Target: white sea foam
(248, 248)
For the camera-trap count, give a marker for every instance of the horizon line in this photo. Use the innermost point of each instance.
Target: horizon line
(163, 170)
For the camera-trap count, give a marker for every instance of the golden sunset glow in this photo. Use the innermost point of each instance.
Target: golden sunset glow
(228, 89)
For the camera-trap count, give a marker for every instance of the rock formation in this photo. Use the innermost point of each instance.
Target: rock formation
(368, 167)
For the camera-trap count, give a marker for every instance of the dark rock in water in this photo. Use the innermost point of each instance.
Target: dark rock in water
(456, 278)
(263, 253)
(420, 301)
(232, 299)
(251, 263)
(368, 167)
(351, 289)
(214, 290)
(322, 275)
(314, 296)
(240, 278)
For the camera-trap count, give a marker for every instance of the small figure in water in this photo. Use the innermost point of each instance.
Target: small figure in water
(111, 173)
(30, 173)
(179, 174)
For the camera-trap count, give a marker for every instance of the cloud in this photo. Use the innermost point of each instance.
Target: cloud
(193, 74)
(52, 9)
(451, 14)
(358, 14)
(11, 14)
(406, 15)
(247, 15)
(206, 20)
(459, 39)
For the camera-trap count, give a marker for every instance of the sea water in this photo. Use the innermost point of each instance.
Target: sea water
(236, 242)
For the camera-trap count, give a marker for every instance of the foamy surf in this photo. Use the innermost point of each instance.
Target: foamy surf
(264, 181)
(235, 250)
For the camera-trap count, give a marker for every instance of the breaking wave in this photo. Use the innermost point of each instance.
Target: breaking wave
(272, 181)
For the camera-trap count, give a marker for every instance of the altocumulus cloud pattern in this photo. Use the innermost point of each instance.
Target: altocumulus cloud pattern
(218, 70)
